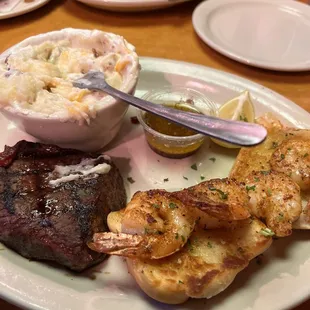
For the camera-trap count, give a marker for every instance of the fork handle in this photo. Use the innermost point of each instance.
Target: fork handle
(235, 132)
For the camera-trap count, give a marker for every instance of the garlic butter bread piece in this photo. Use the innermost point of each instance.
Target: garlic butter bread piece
(206, 266)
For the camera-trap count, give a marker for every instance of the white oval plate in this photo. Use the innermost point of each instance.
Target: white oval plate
(23, 7)
(131, 5)
(261, 33)
(280, 282)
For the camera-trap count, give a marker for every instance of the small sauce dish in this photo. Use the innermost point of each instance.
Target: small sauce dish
(167, 138)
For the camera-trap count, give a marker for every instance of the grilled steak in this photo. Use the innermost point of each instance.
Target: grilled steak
(44, 215)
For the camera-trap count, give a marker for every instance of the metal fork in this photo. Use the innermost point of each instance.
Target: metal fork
(235, 132)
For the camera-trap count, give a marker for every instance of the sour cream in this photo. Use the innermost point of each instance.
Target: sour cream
(86, 168)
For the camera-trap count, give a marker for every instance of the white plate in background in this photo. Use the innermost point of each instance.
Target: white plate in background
(131, 5)
(23, 7)
(280, 282)
(270, 34)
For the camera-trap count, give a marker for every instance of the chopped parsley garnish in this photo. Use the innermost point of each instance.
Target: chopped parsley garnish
(148, 231)
(190, 247)
(269, 192)
(176, 236)
(166, 180)
(265, 172)
(213, 159)
(266, 232)
(209, 245)
(250, 188)
(306, 155)
(256, 179)
(185, 178)
(181, 282)
(194, 167)
(289, 149)
(183, 238)
(280, 217)
(282, 156)
(155, 205)
(223, 195)
(172, 205)
(131, 180)
(202, 177)
(243, 118)
(275, 145)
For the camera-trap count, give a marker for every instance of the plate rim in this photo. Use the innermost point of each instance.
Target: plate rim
(238, 80)
(9, 295)
(201, 10)
(132, 4)
(26, 10)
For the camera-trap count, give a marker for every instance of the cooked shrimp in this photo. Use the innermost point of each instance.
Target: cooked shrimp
(205, 221)
(153, 225)
(269, 154)
(223, 199)
(292, 157)
(257, 158)
(275, 198)
(162, 222)
(285, 150)
(270, 122)
(205, 267)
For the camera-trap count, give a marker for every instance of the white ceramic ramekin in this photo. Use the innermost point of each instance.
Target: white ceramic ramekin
(69, 132)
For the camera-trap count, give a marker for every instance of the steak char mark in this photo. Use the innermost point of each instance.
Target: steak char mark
(54, 223)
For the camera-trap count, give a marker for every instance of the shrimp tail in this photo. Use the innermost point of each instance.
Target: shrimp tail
(116, 244)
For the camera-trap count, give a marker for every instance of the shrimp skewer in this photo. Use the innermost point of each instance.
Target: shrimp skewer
(286, 150)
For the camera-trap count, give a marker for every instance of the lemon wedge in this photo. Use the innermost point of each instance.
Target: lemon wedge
(239, 108)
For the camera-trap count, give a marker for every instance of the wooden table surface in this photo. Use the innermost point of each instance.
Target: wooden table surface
(166, 34)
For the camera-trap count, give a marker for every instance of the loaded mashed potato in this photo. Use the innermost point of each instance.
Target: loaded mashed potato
(38, 78)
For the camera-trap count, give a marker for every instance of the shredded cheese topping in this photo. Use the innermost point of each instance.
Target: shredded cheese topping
(38, 79)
